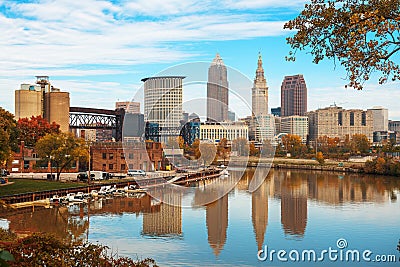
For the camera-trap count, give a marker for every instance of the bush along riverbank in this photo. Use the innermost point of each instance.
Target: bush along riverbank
(42, 249)
(383, 165)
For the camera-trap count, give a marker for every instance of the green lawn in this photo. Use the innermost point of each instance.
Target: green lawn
(26, 185)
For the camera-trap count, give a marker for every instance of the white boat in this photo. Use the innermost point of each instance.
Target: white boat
(55, 199)
(94, 193)
(225, 173)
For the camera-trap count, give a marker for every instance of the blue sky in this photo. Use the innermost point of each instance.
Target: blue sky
(100, 50)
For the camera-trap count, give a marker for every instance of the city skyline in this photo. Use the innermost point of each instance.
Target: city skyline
(100, 53)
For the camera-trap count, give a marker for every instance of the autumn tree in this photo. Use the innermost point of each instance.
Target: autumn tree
(362, 35)
(61, 150)
(34, 128)
(8, 135)
(320, 158)
(360, 144)
(223, 149)
(208, 152)
(293, 145)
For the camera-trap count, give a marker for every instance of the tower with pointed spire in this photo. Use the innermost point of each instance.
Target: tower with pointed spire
(259, 95)
(217, 91)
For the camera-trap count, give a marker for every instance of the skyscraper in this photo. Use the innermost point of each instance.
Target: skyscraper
(217, 91)
(163, 103)
(262, 123)
(259, 94)
(294, 96)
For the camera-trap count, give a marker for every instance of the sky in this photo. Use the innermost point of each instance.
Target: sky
(100, 50)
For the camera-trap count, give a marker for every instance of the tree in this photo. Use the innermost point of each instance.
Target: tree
(360, 144)
(8, 135)
(208, 152)
(362, 35)
(223, 149)
(293, 145)
(34, 128)
(61, 150)
(320, 158)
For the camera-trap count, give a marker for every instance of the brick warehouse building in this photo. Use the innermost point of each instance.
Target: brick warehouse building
(115, 157)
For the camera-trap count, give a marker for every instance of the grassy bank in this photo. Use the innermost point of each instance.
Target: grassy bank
(21, 186)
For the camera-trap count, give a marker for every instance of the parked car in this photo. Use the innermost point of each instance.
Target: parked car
(82, 176)
(4, 172)
(99, 175)
(136, 172)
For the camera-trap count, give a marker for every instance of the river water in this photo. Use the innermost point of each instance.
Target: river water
(298, 212)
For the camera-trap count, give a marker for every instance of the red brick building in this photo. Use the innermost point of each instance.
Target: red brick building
(117, 158)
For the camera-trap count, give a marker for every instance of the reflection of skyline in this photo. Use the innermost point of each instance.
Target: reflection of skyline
(259, 212)
(217, 223)
(164, 219)
(290, 192)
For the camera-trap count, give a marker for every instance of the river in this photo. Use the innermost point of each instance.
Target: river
(296, 212)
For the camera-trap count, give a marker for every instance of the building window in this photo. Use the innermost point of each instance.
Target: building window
(130, 156)
(123, 167)
(351, 118)
(111, 156)
(104, 155)
(110, 166)
(104, 167)
(122, 156)
(364, 119)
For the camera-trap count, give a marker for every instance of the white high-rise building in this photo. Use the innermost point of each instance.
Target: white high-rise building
(163, 103)
(380, 118)
(259, 103)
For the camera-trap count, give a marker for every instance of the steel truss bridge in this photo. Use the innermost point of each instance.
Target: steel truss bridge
(94, 118)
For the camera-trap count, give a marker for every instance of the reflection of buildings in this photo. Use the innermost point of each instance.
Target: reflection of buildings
(57, 221)
(164, 219)
(259, 212)
(335, 191)
(217, 223)
(293, 193)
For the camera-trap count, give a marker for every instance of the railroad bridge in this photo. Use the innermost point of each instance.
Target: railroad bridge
(94, 118)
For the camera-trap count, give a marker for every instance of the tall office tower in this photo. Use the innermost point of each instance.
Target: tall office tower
(293, 96)
(259, 94)
(380, 119)
(163, 103)
(217, 91)
(129, 106)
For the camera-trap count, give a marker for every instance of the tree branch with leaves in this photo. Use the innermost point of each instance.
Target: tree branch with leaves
(364, 36)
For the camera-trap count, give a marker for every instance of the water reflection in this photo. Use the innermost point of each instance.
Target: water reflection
(286, 193)
(164, 219)
(217, 223)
